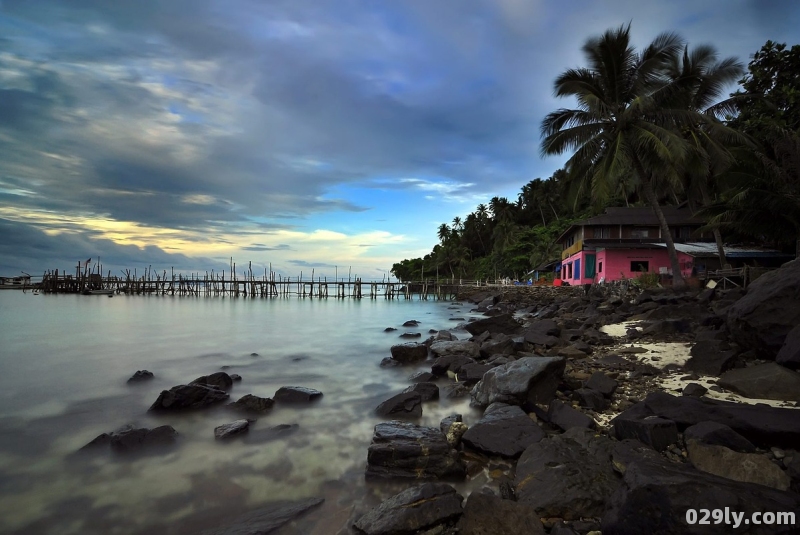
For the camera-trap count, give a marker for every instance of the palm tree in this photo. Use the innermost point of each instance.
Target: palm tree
(626, 123)
(443, 233)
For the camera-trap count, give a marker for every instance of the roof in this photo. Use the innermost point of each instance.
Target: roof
(709, 249)
(638, 215)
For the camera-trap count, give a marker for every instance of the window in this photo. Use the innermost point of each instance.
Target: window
(602, 232)
(600, 267)
(640, 232)
(640, 265)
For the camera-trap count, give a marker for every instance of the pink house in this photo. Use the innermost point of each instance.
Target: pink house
(624, 243)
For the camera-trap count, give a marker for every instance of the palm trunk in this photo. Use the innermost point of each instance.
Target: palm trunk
(717, 233)
(678, 282)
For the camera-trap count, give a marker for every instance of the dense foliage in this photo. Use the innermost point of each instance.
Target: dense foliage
(648, 128)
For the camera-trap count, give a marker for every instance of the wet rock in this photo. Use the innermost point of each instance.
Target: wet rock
(444, 336)
(427, 391)
(694, 390)
(411, 323)
(450, 363)
(499, 344)
(455, 391)
(568, 476)
(504, 430)
(762, 319)
(789, 354)
(565, 417)
(188, 397)
(744, 467)
(651, 430)
(128, 440)
(469, 374)
(710, 357)
(760, 424)
(590, 399)
(407, 451)
(389, 362)
(714, 433)
(411, 335)
(259, 436)
(572, 353)
(235, 377)
(141, 375)
(296, 394)
(406, 404)
(252, 403)
(448, 421)
(412, 511)
(422, 377)
(600, 382)
(668, 326)
(389, 329)
(410, 352)
(527, 380)
(218, 380)
(504, 323)
(656, 494)
(268, 518)
(764, 381)
(485, 513)
(465, 348)
(231, 429)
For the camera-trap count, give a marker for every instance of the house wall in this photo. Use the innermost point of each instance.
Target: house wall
(580, 259)
(617, 262)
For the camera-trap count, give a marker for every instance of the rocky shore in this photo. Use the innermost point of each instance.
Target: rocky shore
(606, 410)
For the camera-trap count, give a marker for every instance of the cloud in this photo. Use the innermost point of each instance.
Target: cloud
(303, 263)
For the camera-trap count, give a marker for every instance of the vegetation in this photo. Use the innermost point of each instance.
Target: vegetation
(648, 128)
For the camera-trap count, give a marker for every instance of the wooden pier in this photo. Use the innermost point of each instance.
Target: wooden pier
(244, 284)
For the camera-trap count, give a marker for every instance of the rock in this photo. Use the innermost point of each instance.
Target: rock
(218, 380)
(410, 335)
(129, 440)
(694, 390)
(569, 476)
(656, 494)
(403, 404)
(455, 432)
(455, 390)
(600, 382)
(410, 352)
(141, 375)
(717, 434)
(235, 377)
(764, 381)
(668, 326)
(762, 319)
(760, 424)
(422, 377)
(710, 357)
(252, 403)
(789, 354)
(527, 380)
(450, 363)
(407, 451)
(444, 335)
(745, 467)
(389, 329)
(427, 391)
(571, 352)
(188, 397)
(544, 326)
(591, 399)
(260, 436)
(504, 323)
(266, 519)
(412, 511)
(504, 430)
(447, 421)
(651, 430)
(411, 323)
(296, 394)
(486, 514)
(231, 429)
(389, 362)
(540, 339)
(469, 374)
(445, 348)
(499, 344)
(565, 417)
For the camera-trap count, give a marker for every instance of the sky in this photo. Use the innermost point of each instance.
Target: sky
(333, 135)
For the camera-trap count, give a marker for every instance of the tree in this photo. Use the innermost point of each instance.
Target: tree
(627, 122)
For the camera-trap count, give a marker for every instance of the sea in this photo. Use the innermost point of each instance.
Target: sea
(64, 365)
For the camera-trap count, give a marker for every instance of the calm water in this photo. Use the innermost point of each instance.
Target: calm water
(64, 362)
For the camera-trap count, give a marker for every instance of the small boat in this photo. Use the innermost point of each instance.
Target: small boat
(98, 292)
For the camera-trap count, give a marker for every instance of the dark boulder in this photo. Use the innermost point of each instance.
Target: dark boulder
(710, 357)
(469, 374)
(694, 390)
(296, 394)
(744, 467)
(231, 429)
(427, 391)
(413, 511)
(188, 397)
(251, 403)
(789, 354)
(404, 404)
(410, 352)
(504, 430)
(422, 377)
(450, 363)
(714, 433)
(266, 519)
(762, 319)
(602, 383)
(410, 335)
(407, 451)
(141, 375)
(527, 380)
(444, 348)
(590, 399)
(275, 432)
(411, 323)
(564, 416)
(218, 380)
(499, 344)
(651, 430)
(485, 514)
(129, 440)
(504, 323)
(764, 381)
(656, 494)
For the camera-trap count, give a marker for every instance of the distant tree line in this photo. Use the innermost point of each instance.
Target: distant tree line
(650, 127)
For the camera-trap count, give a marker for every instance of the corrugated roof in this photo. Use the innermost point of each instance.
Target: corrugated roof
(642, 215)
(709, 249)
